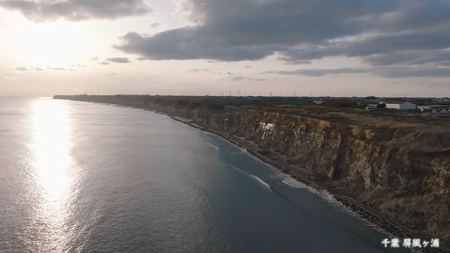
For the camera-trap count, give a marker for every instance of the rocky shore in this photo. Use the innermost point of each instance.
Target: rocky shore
(372, 216)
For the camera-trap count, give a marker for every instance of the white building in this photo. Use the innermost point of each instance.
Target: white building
(401, 105)
(434, 108)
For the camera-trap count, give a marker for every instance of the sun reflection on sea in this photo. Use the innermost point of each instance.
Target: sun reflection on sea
(53, 171)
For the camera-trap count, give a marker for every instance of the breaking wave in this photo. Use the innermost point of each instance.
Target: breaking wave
(260, 180)
(213, 146)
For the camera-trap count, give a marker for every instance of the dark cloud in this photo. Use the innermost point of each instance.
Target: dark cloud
(320, 72)
(300, 31)
(104, 63)
(388, 72)
(119, 60)
(76, 10)
(21, 69)
(410, 58)
(411, 43)
(186, 43)
(444, 63)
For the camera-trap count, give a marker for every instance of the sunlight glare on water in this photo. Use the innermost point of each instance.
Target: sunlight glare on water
(51, 167)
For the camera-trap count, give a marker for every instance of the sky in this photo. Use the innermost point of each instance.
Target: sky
(199, 47)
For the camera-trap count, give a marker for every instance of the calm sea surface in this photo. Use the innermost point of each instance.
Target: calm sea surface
(84, 177)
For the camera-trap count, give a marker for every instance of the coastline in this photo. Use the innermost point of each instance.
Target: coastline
(367, 213)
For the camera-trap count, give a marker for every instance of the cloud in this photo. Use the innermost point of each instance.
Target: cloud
(241, 78)
(380, 32)
(438, 57)
(184, 44)
(104, 63)
(411, 45)
(21, 69)
(154, 25)
(39, 69)
(119, 60)
(76, 10)
(57, 69)
(198, 70)
(236, 78)
(444, 63)
(111, 74)
(319, 72)
(387, 72)
(412, 72)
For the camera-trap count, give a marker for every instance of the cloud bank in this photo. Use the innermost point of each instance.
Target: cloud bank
(76, 10)
(118, 60)
(379, 32)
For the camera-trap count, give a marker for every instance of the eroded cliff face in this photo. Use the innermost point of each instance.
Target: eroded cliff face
(400, 170)
(390, 169)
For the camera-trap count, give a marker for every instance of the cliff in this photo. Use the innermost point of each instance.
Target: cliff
(400, 168)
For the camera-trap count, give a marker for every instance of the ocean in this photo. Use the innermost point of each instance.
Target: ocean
(85, 177)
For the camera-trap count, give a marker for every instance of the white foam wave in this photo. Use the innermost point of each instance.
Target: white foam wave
(241, 151)
(213, 146)
(261, 181)
(248, 174)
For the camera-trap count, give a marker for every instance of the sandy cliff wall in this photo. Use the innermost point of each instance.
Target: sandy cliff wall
(384, 168)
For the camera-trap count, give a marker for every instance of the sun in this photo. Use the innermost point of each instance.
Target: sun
(55, 44)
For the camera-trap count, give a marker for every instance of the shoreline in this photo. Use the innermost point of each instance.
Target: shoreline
(367, 213)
